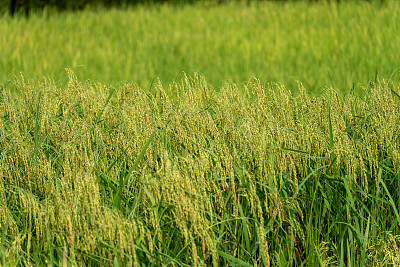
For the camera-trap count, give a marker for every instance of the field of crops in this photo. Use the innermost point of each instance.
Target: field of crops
(102, 163)
(319, 44)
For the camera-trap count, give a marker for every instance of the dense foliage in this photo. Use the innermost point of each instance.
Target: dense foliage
(96, 175)
(319, 44)
(119, 168)
(16, 6)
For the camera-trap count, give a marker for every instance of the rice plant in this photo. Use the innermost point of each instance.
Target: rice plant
(248, 175)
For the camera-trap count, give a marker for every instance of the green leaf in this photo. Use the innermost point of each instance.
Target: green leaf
(104, 107)
(36, 136)
(331, 140)
(124, 180)
(233, 260)
(392, 203)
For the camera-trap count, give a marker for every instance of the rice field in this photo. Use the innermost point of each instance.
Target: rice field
(319, 44)
(102, 165)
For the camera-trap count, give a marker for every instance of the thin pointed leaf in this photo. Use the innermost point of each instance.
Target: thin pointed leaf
(233, 260)
(104, 107)
(124, 180)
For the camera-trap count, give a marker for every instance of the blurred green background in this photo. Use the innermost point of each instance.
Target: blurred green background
(320, 44)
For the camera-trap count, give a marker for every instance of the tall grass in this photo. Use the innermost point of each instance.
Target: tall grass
(98, 175)
(319, 44)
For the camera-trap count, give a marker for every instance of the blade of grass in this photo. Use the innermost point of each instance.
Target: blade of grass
(392, 203)
(3, 240)
(104, 107)
(233, 260)
(123, 180)
(245, 227)
(331, 140)
(36, 135)
(364, 254)
(395, 93)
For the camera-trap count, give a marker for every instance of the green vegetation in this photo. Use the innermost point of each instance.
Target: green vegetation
(319, 44)
(119, 168)
(189, 176)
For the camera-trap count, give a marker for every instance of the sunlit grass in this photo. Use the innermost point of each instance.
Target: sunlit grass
(119, 168)
(250, 175)
(321, 44)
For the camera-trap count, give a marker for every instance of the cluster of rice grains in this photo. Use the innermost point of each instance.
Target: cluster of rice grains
(248, 176)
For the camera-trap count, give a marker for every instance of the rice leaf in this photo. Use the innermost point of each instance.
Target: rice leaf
(234, 261)
(124, 180)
